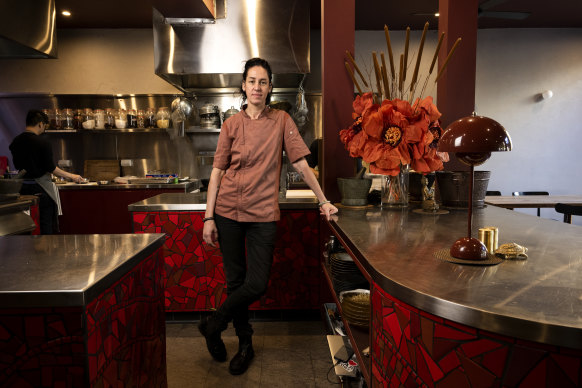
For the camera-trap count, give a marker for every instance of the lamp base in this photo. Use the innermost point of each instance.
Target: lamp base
(468, 248)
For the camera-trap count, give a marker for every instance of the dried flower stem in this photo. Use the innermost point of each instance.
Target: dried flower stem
(351, 73)
(406, 43)
(448, 58)
(385, 77)
(418, 56)
(400, 73)
(378, 73)
(390, 56)
(436, 53)
(356, 67)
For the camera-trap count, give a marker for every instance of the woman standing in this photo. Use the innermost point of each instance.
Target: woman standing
(242, 215)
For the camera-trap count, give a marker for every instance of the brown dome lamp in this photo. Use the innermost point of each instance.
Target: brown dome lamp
(472, 139)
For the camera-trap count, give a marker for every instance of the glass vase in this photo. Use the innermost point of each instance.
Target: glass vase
(395, 189)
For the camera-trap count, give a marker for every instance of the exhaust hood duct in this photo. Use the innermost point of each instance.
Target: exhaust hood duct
(27, 29)
(201, 56)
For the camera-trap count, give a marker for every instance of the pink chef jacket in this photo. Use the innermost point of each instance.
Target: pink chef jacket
(250, 152)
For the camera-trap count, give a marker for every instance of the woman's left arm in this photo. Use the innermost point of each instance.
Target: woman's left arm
(325, 206)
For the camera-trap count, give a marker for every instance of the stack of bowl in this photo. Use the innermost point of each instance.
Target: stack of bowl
(356, 307)
(345, 275)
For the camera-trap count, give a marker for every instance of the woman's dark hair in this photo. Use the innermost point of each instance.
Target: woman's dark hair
(252, 63)
(33, 117)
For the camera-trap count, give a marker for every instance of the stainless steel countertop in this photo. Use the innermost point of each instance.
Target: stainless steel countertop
(67, 270)
(186, 186)
(539, 299)
(197, 202)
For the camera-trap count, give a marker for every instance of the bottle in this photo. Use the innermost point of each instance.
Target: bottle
(140, 118)
(68, 119)
(121, 119)
(78, 119)
(99, 115)
(150, 118)
(87, 120)
(131, 119)
(109, 119)
(163, 117)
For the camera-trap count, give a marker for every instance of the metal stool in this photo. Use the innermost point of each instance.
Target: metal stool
(518, 193)
(568, 211)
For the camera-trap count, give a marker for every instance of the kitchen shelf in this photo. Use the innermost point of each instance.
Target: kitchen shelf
(124, 130)
(359, 337)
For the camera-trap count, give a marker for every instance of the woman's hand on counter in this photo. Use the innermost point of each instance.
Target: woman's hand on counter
(210, 233)
(327, 209)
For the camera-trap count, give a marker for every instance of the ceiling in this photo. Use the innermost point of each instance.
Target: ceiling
(370, 14)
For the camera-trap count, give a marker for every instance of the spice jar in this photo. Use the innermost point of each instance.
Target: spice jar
(131, 119)
(78, 119)
(163, 117)
(140, 118)
(56, 121)
(87, 120)
(109, 119)
(150, 118)
(68, 118)
(99, 115)
(121, 119)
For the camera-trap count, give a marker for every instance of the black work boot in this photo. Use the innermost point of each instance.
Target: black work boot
(211, 327)
(241, 361)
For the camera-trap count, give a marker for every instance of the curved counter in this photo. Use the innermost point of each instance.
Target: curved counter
(537, 301)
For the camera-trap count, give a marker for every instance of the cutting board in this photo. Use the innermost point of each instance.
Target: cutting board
(101, 170)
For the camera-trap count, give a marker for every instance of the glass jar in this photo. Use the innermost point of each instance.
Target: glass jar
(140, 118)
(150, 118)
(68, 119)
(121, 119)
(78, 119)
(109, 118)
(51, 117)
(163, 117)
(99, 115)
(88, 120)
(56, 121)
(131, 119)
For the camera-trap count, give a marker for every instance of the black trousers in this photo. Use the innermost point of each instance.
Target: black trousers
(47, 208)
(247, 275)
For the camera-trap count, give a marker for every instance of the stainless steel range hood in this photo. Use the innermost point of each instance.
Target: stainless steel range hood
(210, 54)
(27, 29)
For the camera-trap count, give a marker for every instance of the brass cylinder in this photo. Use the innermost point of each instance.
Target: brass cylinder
(495, 230)
(486, 236)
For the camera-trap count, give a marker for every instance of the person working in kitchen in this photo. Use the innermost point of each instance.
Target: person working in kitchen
(242, 214)
(33, 155)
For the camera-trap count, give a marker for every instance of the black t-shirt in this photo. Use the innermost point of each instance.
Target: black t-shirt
(33, 154)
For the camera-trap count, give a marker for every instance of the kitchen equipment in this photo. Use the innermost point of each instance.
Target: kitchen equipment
(229, 113)
(209, 116)
(183, 105)
(10, 186)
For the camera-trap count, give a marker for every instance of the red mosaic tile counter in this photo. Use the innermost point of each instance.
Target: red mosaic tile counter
(82, 311)
(193, 273)
(439, 324)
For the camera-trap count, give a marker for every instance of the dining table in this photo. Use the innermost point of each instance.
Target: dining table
(532, 201)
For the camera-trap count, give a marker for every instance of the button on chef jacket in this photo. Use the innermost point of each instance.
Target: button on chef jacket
(250, 151)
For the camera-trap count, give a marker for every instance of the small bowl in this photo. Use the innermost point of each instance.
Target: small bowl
(103, 182)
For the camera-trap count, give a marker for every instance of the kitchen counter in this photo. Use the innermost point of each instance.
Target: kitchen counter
(197, 202)
(188, 186)
(15, 215)
(82, 311)
(525, 312)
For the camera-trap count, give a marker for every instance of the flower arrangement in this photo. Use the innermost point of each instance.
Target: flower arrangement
(391, 127)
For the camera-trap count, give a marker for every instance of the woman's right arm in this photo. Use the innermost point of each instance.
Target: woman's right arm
(210, 233)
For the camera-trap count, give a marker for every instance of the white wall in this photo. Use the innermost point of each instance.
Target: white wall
(90, 61)
(513, 66)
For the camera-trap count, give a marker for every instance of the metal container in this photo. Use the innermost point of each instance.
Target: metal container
(10, 186)
(229, 113)
(454, 188)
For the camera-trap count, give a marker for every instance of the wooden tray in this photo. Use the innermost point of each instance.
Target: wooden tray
(101, 170)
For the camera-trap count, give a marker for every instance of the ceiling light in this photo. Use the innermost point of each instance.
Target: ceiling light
(437, 14)
(66, 13)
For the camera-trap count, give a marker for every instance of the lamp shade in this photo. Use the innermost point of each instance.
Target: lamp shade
(474, 134)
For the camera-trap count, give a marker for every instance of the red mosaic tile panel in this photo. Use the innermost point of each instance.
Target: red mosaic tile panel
(42, 347)
(193, 272)
(35, 215)
(126, 332)
(413, 348)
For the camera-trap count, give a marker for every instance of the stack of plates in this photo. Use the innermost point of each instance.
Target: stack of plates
(345, 275)
(356, 307)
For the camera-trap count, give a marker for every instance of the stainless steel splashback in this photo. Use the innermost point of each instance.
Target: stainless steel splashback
(27, 29)
(206, 56)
